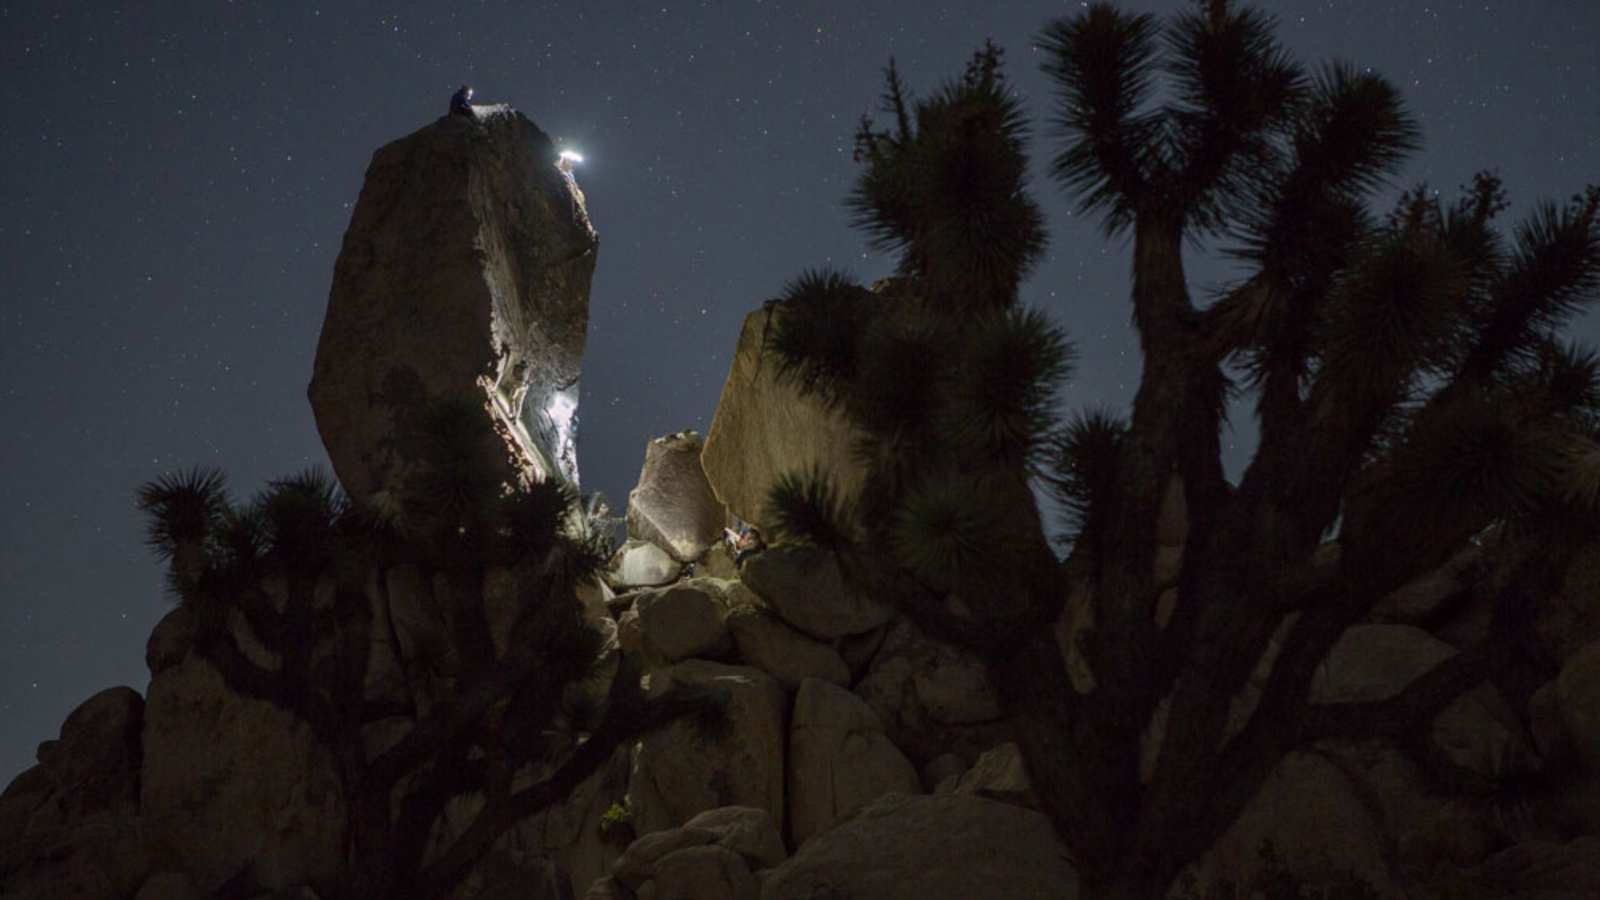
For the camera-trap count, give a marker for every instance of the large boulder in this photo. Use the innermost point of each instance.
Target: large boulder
(1310, 819)
(464, 276)
(1569, 619)
(501, 876)
(765, 642)
(74, 877)
(69, 826)
(1577, 699)
(711, 856)
(169, 641)
(170, 886)
(1531, 870)
(99, 744)
(1478, 732)
(804, 587)
(230, 780)
(570, 832)
(839, 759)
(704, 873)
(763, 428)
(687, 619)
(1426, 826)
(673, 505)
(933, 698)
(21, 798)
(641, 564)
(949, 847)
(690, 767)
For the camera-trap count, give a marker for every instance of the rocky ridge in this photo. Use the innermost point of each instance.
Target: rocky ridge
(857, 756)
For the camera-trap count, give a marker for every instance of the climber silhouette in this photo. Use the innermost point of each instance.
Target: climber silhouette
(461, 101)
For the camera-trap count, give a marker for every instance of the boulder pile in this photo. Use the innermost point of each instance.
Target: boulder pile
(856, 756)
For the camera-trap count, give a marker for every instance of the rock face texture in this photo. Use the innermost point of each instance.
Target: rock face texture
(1477, 732)
(641, 564)
(682, 770)
(931, 697)
(229, 781)
(690, 619)
(1577, 695)
(68, 826)
(763, 428)
(673, 505)
(930, 848)
(786, 654)
(805, 588)
(839, 759)
(464, 276)
(710, 858)
(1317, 821)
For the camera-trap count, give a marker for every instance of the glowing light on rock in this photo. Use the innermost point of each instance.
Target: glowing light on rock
(552, 426)
(561, 410)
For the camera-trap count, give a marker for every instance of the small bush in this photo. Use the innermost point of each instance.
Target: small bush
(616, 824)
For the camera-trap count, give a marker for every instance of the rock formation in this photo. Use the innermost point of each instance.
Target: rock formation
(464, 276)
(763, 428)
(858, 757)
(949, 847)
(855, 755)
(673, 506)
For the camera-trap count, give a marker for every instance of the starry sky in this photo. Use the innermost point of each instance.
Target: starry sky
(176, 177)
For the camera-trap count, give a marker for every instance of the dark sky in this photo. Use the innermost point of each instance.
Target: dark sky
(175, 179)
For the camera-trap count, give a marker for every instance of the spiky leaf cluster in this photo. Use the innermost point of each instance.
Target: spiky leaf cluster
(815, 333)
(456, 513)
(945, 188)
(805, 508)
(183, 507)
(1102, 63)
(949, 384)
(1002, 402)
(300, 517)
(1083, 468)
(950, 534)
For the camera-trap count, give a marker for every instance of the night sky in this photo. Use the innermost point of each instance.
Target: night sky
(175, 180)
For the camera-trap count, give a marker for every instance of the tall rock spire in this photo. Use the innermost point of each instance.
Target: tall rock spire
(464, 275)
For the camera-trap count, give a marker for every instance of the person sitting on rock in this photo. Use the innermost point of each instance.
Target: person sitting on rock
(461, 101)
(747, 543)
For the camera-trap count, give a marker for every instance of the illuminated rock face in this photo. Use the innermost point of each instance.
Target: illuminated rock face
(464, 275)
(673, 505)
(764, 428)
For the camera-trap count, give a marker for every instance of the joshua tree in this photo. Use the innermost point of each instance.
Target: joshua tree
(497, 711)
(1414, 400)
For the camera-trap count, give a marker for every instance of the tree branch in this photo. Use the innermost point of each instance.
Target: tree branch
(446, 723)
(626, 718)
(1417, 703)
(1234, 321)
